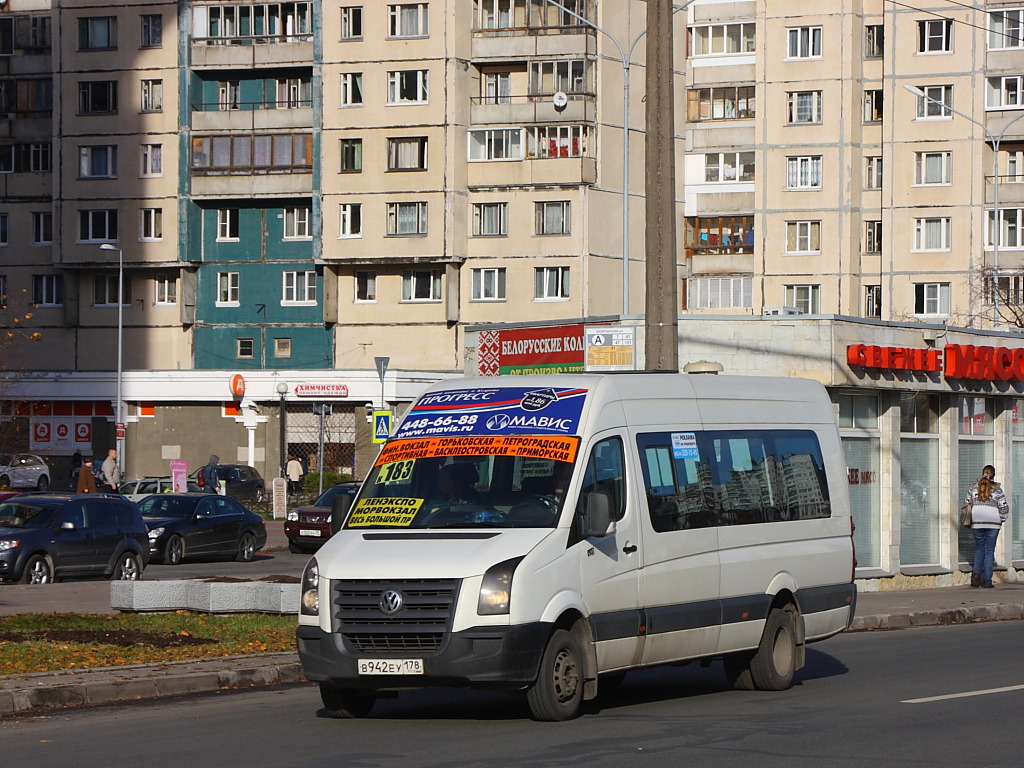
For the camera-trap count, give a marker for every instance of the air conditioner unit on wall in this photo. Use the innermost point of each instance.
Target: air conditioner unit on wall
(781, 311)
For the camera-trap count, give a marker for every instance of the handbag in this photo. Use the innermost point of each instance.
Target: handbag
(966, 517)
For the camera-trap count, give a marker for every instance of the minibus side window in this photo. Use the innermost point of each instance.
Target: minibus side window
(606, 473)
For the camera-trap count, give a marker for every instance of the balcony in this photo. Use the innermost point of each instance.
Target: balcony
(253, 185)
(518, 110)
(1011, 191)
(513, 43)
(548, 170)
(251, 117)
(247, 52)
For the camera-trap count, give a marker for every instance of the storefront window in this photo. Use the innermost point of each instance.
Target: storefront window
(862, 461)
(1017, 500)
(857, 411)
(976, 416)
(919, 501)
(919, 414)
(973, 455)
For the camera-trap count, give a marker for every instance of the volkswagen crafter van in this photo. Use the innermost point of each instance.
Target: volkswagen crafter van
(546, 534)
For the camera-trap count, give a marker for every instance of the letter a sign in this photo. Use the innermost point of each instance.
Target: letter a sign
(381, 426)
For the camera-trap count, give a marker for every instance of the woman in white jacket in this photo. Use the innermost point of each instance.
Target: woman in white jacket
(989, 511)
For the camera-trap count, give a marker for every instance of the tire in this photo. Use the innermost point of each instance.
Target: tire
(257, 495)
(295, 548)
(774, 663)
(43, 483)
(558, 692)
(5, 482)
(127, 567)
(345, 703)
(174, 550)
(246, 548)
(38, 570)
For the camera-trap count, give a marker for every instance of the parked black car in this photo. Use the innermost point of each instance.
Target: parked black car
(240, 481)
(200, 525)
(48, 537)
(309, 526)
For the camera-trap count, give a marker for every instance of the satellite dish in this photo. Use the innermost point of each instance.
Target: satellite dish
(560, 100)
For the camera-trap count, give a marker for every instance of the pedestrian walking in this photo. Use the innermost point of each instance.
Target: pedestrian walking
(111, 472)
(989, 511)
(86, 480)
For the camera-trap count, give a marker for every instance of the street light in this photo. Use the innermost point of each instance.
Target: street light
(282, 419)
(119, 416)
(997, 233)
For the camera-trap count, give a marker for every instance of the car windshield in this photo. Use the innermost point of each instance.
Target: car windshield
(328, 496)
(168, 506)
(494, 481)
(15, 514)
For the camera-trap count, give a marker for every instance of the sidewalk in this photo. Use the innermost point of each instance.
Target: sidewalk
(44, 691)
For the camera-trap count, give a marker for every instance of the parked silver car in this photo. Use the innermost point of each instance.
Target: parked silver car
(137, 490)
(24, 470)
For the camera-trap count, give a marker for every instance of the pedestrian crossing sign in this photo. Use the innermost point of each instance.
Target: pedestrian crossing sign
(381, 426)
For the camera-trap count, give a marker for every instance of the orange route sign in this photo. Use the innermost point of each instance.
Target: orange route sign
(557, 447)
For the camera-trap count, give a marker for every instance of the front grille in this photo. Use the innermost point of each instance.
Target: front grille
(313, 518)
(419, 626)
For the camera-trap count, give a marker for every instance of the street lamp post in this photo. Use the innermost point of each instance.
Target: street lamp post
(119, 415)
(282, 419)
(995, 139)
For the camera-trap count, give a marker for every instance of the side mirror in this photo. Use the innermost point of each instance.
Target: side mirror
(597, 517)
(340, 506)
(202, 515)
(67, 525)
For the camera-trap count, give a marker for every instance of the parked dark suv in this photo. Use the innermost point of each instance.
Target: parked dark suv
(240, 481)
(47, 537)
(310, 526)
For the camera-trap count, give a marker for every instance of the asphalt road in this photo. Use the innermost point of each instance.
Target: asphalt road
(898, 699)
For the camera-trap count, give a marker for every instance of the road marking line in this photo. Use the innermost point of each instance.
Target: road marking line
(963, 695)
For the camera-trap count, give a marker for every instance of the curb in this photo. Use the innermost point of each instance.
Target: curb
(905, 620)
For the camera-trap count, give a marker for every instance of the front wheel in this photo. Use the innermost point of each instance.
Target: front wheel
(174, 550)
(295, 548)
(774, 663)
(558, 692)
(38, 570)
(258, 495)
(5, 482)
(345, 703)
(127, 568)
(43, 483)
(246, 548)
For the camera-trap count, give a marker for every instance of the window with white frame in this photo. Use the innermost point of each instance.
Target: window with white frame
(496, 144)
(489, 284)
(803, 172)
(229, 95)
(282, 347)
(351, 152)
(722, 167)
(873, 103)
(366, 285)
(245, 349)
(935, 36)
(1006, 92)
(1005, 289)
(294, 93)
(4, 234)
(152, 96)
(496, 88)
(227, 289)
(352, 22)
(553, 217)
(490, 219)
(566, 75)
(97, 162)
(873, 172)
(933, 167)
(803, 107)
(297, 223)
(551, 283)
(152, 30)
(806, 298)
(728, 292)
(42, 228)
(932, 234)
(350, 220)
(931, 299)
(1006, 28)
(722, 39)
(803, 43)
(1010, 221)
(557, 141)
(48, 290)
(421, 285)
(97, 226)
(803, 236)
(105, 291)
(936, 102)
(152, 160)
(408, 20)
(874, 41)
(1012, 163)
(227, 224)
(97, 33)
(151, 224)
(165, 290)
(408, 153)
(406, 219)
(351, 89)
(298, 287)
(40, 158)
(873, 236)
(872, 301)
(407, 86)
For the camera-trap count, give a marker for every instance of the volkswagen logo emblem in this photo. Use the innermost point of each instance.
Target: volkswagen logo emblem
(390, 602)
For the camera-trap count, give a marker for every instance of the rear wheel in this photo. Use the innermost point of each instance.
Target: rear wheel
(174, 550)
(774, 663)
(345, 703)
(246, 548)
(43, 483)
(38, 570)
(5, 482)
(558, 692)
(127, 568)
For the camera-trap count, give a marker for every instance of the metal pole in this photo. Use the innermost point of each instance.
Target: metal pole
(282, 418)
(119, 406)
(320, 457)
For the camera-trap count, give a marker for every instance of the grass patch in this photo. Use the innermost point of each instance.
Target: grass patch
(52, 642)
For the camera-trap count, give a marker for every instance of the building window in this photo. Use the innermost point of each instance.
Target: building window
(245, 349)
(873, 172)
(165, 290)
(496, 144)
(278, 23)
(407, 219)
(933, 167)
(299, 288)
(872, 301)
(151, 224)
(932, 234)
(152, 30)
(566, 75)
(936, 102)
(407, 86)
(42, 228)
(97, 162)
(105, 291)
(297, 224)
(98, 33)
(1009, 227)
(6, 35)
(803, 43)
(721, 39)
(873, 236)
(721, 167)
(1004, 92)
(1013, 162)
(720, 234)
(351, 89)
(407, 20)
(931, 299)
(874, 41)
(4, 234)
(803, 172)
(227, 224)
(804, 298)
(351, 156)
(490, 219)
(1006, 28)
(734, 292)
(407, 154)
(366, 285)
(803, 107)
(1005, 289)
(252, 154)
(553, 217)
(873, 100)
(350, 217)
(152, 95)
(97, 226)
(294, 93)
(421, 285)
(227, 289)
(557, 141)
(935, 36)
(152, 162)
(25, 158)
(97, 97)
(39, 32)
(352, 22)
(48, 290)
(551, 283)
(229, 95)
(724, 103)
(39, 158)
(496, 88)
(282, 347)
(803, 237)
(489, 284)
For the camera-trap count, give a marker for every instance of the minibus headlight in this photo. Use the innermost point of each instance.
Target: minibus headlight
(310, 601)
(496, 588)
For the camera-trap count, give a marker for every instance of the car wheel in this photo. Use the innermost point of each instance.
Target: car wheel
(174, 550)
(5, 482)
(774, 663)
(38, 570)
(43, 483)
(246, 548)
(127, 568)
(257, 494)
(558, 692)
(295, 548)
(346, 703)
